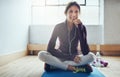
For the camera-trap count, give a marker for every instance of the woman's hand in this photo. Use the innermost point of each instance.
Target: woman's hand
(77, 59)
(77, 21)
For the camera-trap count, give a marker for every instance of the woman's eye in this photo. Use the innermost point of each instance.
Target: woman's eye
(76, 11)
(70, 11)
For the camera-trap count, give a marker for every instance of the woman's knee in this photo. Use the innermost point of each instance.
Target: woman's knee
(91, 56)
(42, 54)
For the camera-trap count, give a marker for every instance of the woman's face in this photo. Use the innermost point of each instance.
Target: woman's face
(72, 13)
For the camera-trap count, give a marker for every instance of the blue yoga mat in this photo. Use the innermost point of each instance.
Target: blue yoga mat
(61, 73)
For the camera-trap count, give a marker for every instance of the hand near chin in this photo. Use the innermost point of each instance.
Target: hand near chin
(77, 21)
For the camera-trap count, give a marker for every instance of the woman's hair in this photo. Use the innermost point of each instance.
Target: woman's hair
(71, 4)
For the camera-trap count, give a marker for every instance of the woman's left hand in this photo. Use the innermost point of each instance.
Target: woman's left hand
(77, 21)
(77, 59)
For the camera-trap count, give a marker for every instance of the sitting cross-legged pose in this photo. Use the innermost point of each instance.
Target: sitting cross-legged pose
(70, 33)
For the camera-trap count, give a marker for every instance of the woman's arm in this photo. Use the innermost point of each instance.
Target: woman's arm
(52, 41)
(83, 39)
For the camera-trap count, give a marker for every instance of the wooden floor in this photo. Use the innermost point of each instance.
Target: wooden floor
(31, 66)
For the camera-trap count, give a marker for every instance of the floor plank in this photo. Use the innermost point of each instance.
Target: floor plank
(113, 69)
(31, 66)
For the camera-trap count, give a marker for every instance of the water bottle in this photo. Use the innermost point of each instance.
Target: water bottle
(98, 59)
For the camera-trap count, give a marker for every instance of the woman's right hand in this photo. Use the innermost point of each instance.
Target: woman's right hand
(77, 21)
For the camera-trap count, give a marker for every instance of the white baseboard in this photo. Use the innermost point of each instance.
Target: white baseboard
(4, 59)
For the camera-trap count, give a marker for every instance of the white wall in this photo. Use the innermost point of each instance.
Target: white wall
(40, 34)
(112, 22)
(14, 22)
(94, 34)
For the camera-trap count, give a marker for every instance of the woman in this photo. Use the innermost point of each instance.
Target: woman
(69, 33)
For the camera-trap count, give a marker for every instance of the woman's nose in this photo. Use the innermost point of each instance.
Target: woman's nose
(74, 15)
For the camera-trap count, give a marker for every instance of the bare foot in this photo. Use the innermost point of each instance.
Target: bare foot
(71, 68)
